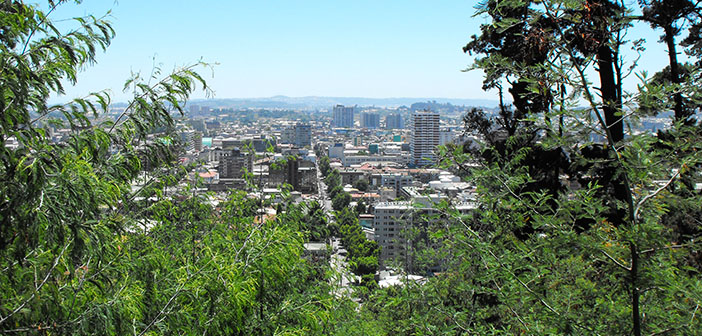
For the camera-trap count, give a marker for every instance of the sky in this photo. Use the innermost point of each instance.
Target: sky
(297, 48)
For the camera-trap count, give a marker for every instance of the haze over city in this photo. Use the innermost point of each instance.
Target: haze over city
(374, 49)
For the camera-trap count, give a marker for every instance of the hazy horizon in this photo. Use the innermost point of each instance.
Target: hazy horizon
(308, 48)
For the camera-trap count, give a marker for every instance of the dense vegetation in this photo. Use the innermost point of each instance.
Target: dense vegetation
(582, 230)
(583, 226)
(95, 241)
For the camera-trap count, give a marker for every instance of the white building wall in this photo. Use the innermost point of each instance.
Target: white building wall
(425, 137)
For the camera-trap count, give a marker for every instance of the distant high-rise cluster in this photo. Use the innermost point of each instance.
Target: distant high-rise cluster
(370, 120)
(425, 137)
(342, 116)
(394, 121)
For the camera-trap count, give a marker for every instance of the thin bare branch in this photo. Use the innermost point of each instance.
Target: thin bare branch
(653, 194)
(628, 269)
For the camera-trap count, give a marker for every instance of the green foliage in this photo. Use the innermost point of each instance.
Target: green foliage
(63, 204)
(341, 201)
(361, 184)
(336, 191)
(573, 236)
(102, 234)
(443, 305)
(333, 180)
(324, 166)
(361, 207)
(363, 254)
(315, 222)
(671, 17)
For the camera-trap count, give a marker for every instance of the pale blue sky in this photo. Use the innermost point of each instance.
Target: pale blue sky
(297, 48)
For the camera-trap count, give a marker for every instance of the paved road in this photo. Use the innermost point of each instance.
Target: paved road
(343, 277)
(322, 190)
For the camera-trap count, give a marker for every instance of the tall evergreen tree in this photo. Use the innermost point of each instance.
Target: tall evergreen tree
(606, 223)
(670, 16)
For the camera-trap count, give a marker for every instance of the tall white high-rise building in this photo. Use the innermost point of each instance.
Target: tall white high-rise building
(393, 121)
(303, 135)
(342, 116)
(425, 137)
(370, 120)
(299, 135)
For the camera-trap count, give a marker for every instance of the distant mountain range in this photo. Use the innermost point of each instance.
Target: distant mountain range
(314, 102)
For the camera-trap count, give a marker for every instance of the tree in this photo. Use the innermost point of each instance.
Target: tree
(335, 191)
(62, 205)
(363, 254)
(594, 28)
(341, 201)
(316, 222)
(667, 15)
(361, 184)
(361, 207)
(324, 166)
(601, 233)
(333, 180)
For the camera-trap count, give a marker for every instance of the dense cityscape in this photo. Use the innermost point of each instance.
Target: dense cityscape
(387, 160)
(385, 167)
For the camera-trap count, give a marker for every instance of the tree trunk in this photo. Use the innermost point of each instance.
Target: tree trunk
(680, 113)
(612, 106)
(611, 102)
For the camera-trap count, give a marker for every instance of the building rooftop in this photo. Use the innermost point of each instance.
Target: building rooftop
(209, 174)
(315, 246)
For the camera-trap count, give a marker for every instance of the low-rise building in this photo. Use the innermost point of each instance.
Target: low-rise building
(336, 151)
(394, 181)
(349, 160)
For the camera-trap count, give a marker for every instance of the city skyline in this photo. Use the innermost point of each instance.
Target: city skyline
(311, 48)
